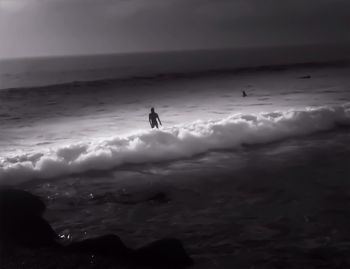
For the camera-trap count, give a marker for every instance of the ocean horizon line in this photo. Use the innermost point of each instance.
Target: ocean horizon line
(340, 63)
(186, 50)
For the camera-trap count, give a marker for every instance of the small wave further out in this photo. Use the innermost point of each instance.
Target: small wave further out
(172, 143)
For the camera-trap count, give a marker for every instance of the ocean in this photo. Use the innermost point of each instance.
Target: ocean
(236, 171)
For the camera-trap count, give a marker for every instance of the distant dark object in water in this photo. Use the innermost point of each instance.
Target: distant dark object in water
(107, 245)
(305, 77)
(21, 220)
(244, 94)
(162, 253)
(159, 197)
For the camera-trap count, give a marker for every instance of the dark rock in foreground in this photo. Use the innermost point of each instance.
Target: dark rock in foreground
(21, 219)
(107, 245)
(22, 225)
(162, 253)
(18, 203)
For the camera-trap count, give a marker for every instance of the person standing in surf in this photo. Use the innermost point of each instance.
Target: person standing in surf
(153, 117)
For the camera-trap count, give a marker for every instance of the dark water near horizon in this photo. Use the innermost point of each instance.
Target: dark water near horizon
(43, 71)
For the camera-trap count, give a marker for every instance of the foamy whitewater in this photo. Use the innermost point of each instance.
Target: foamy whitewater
(173, 143)
(74, 128)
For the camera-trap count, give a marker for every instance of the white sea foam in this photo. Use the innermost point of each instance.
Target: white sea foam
(172, 143)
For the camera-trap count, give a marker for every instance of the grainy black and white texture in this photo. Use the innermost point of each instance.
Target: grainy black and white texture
(250, 168)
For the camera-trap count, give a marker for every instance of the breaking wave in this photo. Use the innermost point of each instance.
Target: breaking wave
(172, 143)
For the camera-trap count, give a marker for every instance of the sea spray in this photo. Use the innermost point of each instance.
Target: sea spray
(177, 142)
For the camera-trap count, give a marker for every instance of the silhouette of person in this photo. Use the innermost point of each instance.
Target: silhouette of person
(244, 94)
(153, 117)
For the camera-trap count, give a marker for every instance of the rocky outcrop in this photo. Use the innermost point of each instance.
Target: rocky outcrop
(106, 245)
(22, 223)
(21, 220)
(162, 253)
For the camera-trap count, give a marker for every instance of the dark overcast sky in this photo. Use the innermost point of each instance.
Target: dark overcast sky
(54, 27)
